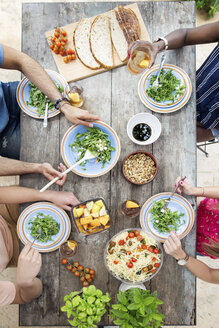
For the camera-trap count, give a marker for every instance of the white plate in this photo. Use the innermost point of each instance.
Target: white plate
(23, 95)
(165, 107)
(177, 203)
(57, 214)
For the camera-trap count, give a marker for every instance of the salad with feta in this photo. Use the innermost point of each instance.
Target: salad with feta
(96, 141)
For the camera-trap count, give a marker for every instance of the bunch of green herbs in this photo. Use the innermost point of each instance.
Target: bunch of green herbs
(86, 308)
(137, 308)
(38, 99)
(164, 220)
(169, 88)
(43, 225)
(96, 141)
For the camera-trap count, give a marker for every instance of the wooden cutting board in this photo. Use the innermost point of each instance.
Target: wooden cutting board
(75, 70)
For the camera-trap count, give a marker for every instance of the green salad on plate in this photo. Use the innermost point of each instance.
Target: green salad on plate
(169, 89)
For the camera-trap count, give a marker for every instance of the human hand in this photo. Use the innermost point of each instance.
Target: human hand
(78, 116)
(184, 186)
(29, 264)
(172, 246)
(50, 173)
(152, 46)
(64, 199)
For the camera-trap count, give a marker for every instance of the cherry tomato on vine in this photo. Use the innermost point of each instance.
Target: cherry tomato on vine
(69, 267)
(85, 284)
(82, 279)
(64, 261)
(63, 32)
(80, 268)
(65, 60)
(74, 270)
(86, 270)
(56, 34)
(87, 276)
(92, 271)
(77, 274)
(76, 264)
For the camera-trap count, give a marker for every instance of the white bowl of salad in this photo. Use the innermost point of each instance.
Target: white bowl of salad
(133, 256)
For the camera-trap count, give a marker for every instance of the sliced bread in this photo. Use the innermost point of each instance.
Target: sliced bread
(100, 41)
(119, 41)
(125, 29)
(82, 44)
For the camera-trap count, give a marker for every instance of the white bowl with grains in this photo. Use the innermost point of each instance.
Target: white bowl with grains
(143, 129)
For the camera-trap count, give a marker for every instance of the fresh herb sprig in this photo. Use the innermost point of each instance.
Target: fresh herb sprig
(137, 308)
(87, 308)
(169, 89)
(44, 225)
(96, 141)
(38, 99)
(164, 220)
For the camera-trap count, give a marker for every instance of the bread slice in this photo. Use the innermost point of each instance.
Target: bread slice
(125, 29)
(119, 41)
(100, 41)
(82, 44)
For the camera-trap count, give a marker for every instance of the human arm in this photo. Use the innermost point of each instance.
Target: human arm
(186, 36)
(13, 167)
(27, 285)
(172, 246)
(14, 59)
(18, 195)
(186, 187)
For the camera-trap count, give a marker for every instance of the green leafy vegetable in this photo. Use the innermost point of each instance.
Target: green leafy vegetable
(210, 6)
(38, 99)
(137, 308)
(169, 88)
(48, 225)
(164, 220)
(87, 308)
(96, 141)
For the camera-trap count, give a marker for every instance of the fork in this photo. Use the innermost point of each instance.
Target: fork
(46, 113)
(37, 237)
(156, 82)
(169, 199)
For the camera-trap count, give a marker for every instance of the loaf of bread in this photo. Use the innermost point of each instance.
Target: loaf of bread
(100, 41)
(81, 39)
(125, 29)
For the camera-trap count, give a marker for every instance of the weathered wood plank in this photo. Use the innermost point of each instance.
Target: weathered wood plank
(113, 96)
(175, 151)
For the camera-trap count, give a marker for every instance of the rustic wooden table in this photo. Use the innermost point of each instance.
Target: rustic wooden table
(112, 95)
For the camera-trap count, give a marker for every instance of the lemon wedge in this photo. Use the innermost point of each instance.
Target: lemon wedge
(71, 245)
(74, 97)
(144, 63)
